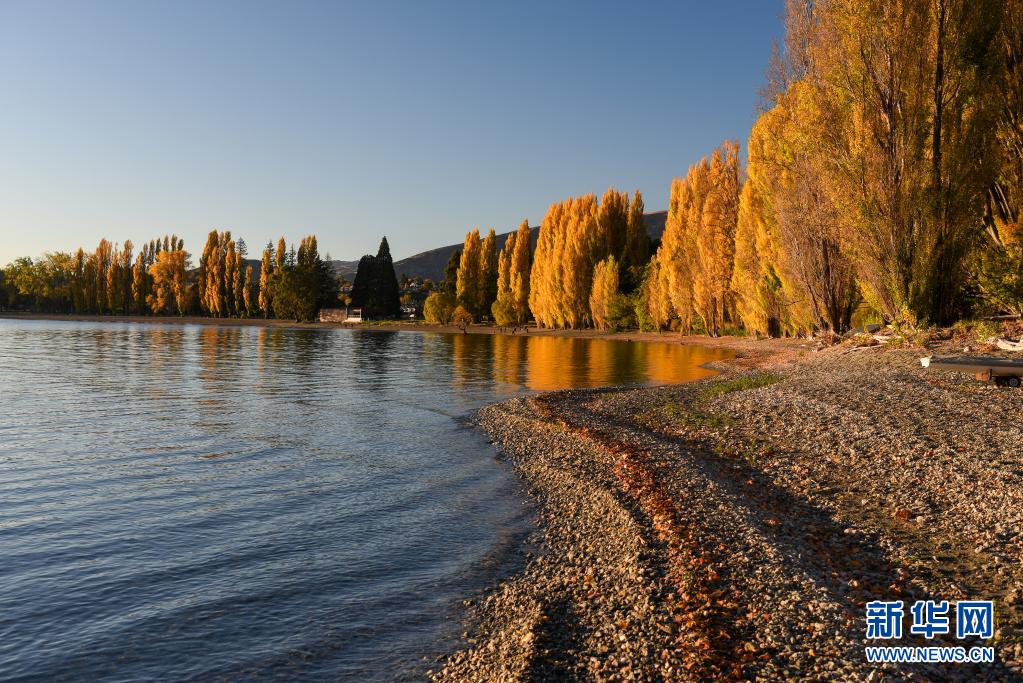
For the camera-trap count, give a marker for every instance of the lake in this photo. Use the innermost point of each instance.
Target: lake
(199, 502)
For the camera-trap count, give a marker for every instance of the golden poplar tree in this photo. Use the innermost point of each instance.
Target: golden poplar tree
(575, 235)
(541, 271)
(231, 272)
(675, 254)
(249, 294)
(518, 273)
(637, 242)
(656, 297)
(266, 271)
(470, 285)
(503, 308)
(697, 250)
(488, 272)
(906, 89)
(170, 280)
(280, 255)
(715, 239)
(101, 264)
(603, 292)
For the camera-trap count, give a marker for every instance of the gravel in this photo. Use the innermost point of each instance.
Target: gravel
(734, 528)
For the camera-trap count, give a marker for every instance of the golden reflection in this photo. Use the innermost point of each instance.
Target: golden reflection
(509, 357)
(674, 363)
(469, 358)
(552, 363)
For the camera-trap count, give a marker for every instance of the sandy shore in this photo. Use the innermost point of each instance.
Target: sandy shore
(734, 528)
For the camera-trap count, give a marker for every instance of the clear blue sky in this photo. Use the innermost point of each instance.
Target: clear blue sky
(351, 120)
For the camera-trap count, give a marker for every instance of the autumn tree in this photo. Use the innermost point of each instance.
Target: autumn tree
(488, 272)
(171, 291)
(998, 265)
(696, 240)
(654, 309)
(266, 272)
(603, 292)
(715, 239)
(791, 273)
(518, 272)
(462, 319)
(471, 286)
(574, 236)
(249, 294)
(637, 245)
(503, 308)
(905, 87)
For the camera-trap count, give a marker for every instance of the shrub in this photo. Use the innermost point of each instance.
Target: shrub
(439, 308)
(462, 319)
(620, 313)
(504, 311)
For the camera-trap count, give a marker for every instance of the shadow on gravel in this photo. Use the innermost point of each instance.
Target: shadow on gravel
(851, 567)
(558, 642)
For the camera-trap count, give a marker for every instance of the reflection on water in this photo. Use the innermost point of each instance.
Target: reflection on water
(544, 363)
(203, 502)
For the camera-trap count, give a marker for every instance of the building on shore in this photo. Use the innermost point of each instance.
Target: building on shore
(340, 315)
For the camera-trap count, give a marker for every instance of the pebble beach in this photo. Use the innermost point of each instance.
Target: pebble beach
(735, 528)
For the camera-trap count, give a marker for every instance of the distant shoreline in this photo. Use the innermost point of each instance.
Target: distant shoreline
(747, 345)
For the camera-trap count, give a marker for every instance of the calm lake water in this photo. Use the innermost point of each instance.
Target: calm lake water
(184, 502)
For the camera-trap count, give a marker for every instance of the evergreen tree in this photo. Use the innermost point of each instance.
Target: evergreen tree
(375, 289)
(450, 283)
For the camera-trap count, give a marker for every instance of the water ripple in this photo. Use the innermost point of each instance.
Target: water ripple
(214, 503)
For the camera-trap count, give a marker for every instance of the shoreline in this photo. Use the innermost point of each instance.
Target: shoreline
(734, 528)
(743, 346)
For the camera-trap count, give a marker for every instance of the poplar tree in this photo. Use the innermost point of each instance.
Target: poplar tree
(171, 292)
(518, 273)
(655, 296)
(503, 308)
(101, 261)
(249, 294)
(909, 150)
(698, 244)
(231, 273)
(603, 292)
(637, 245)
(266, 272)
(470, 286)
(488, 273)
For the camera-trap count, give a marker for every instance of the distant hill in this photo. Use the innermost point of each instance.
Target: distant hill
(430, 264)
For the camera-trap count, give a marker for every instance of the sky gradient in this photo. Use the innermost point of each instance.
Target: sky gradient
(352, 120)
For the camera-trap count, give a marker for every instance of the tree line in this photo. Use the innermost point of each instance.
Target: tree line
(883, 181)
(884, 172)
(160, 280)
